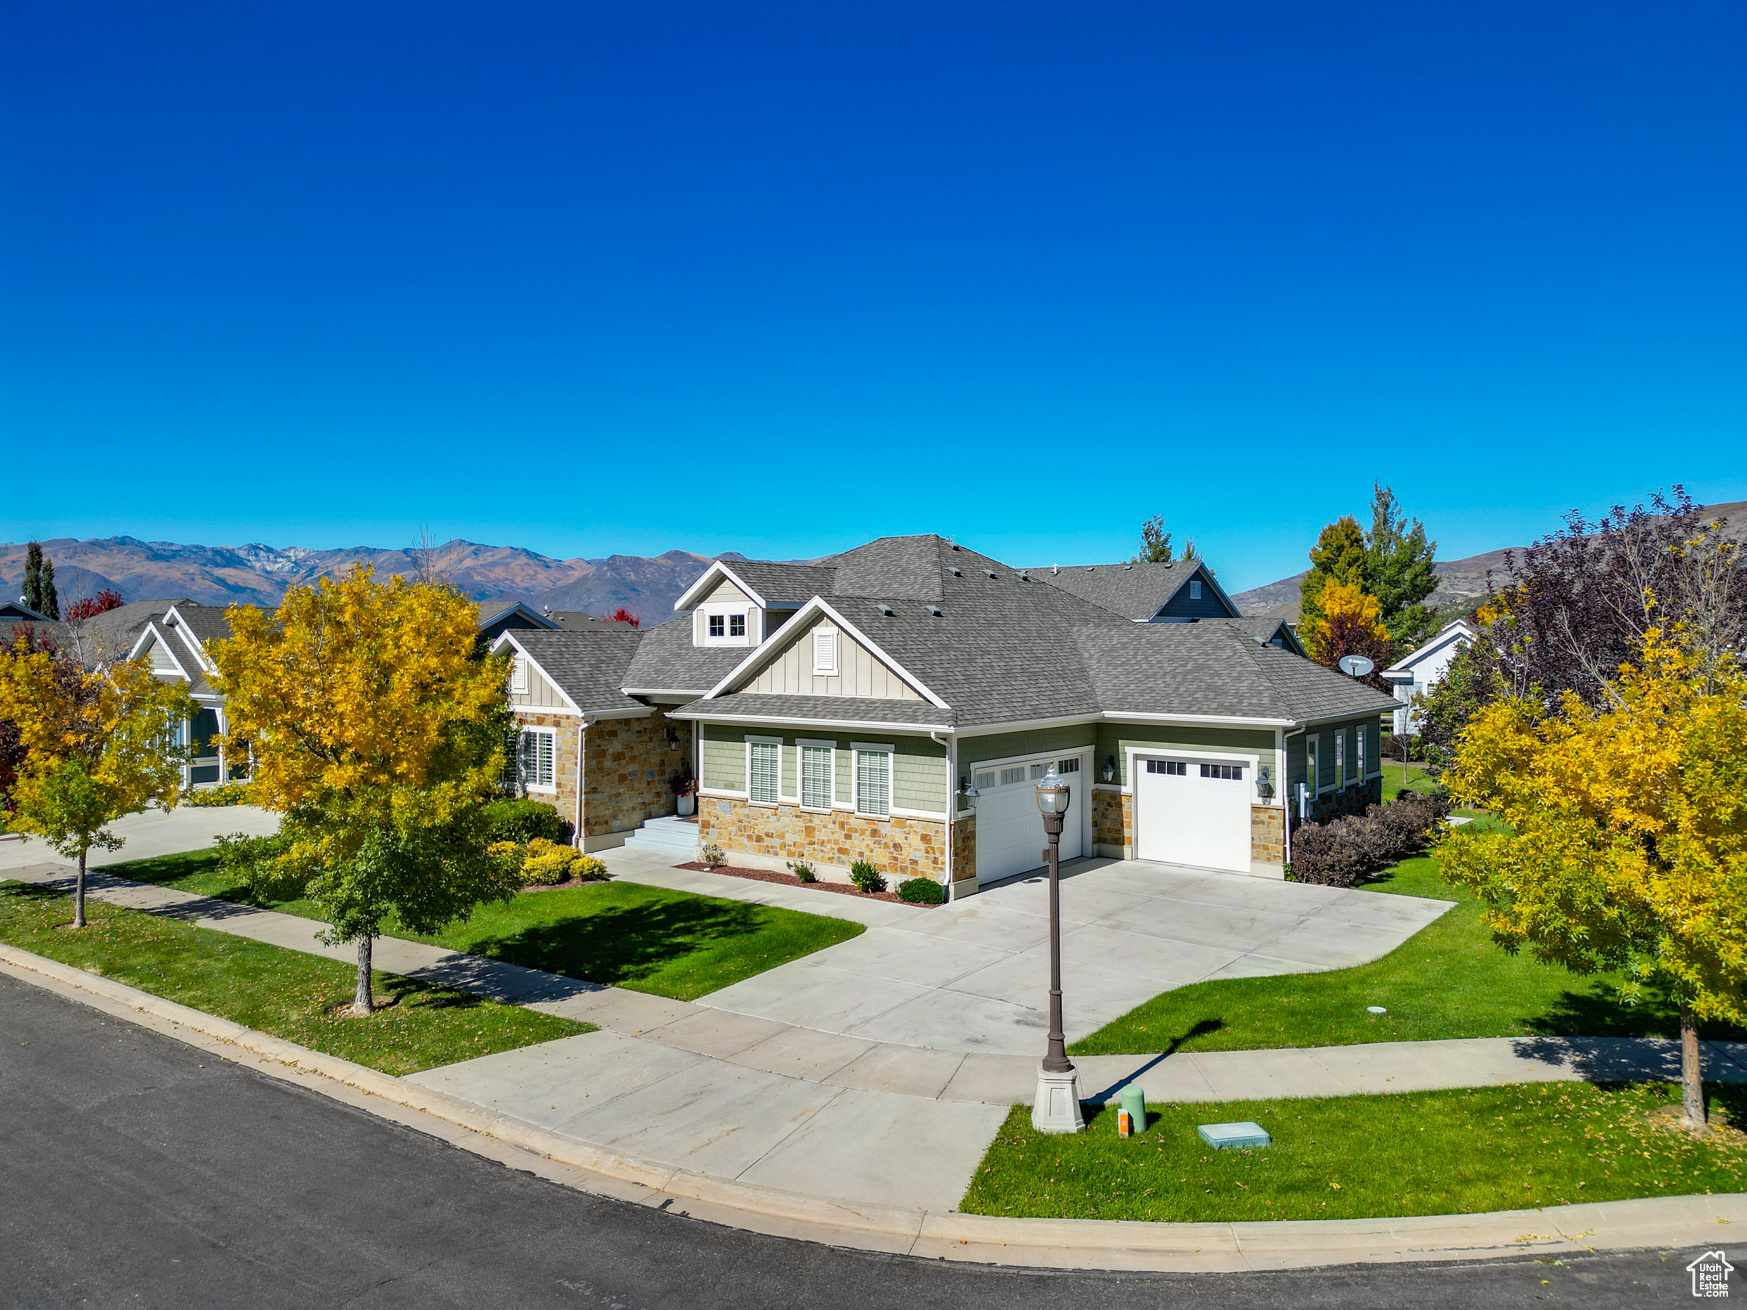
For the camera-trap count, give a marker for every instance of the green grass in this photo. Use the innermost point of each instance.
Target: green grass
(289, 994)
(647, 939)
(1398, 778)
(1451, 1152)
(1447, 980)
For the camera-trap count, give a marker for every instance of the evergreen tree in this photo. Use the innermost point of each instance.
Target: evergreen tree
(1155, 544)
(1338, 556)
(1398, 568)
(39, 583)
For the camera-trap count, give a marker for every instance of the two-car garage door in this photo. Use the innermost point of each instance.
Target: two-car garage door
(1010, 836)
(1190, 811)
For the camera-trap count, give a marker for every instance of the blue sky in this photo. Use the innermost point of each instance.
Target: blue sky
(779, 278)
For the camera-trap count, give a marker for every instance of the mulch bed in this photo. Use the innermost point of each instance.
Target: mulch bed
(789, 880)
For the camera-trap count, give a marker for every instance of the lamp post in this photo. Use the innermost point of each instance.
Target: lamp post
(1056, 1107)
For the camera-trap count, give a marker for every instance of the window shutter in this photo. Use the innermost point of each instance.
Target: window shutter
(825, 651)
(519, 674)
(766, 771)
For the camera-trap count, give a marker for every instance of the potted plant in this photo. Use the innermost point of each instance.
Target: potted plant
(685, 790)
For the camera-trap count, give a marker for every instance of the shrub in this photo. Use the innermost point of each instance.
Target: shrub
(1345, 851)
(713, 856)
(231, 793)
(921, 891)
(866, 878)
(803, 871)
(545, 863)
(523, 820)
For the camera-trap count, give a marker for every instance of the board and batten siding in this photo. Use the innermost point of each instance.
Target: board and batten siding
(860, 671)
(1370, 725)
(919, 780)
(159, 658)
(541, 694)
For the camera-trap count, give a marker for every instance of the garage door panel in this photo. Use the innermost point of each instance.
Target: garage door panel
(1010, 836)
(1194, 812)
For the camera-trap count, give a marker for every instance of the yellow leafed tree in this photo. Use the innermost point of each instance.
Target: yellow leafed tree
(377, 729)
(97, 743)
(1349, 622)
(1628, 841)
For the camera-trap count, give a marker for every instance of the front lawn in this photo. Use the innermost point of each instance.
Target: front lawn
(289, 994)
(647, 939)
(1447, 980)
(1356, 1157)
(1398, 778)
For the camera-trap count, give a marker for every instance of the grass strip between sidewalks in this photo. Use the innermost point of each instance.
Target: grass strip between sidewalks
(1366, 1157)
(623, 934)
(288, 994)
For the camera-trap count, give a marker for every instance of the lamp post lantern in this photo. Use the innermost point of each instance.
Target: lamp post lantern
(1056, 1107)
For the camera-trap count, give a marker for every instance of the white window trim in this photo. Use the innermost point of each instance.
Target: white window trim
(725, 612)
(836, 667)
(830, 773)
(872, 748)
(747, 765)
(1339, 764)
(538, 731)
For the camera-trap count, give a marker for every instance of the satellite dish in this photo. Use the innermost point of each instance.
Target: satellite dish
(1356, 666)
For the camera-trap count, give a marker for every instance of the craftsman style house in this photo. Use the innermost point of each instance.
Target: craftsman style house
(897, 703)
(173, 642)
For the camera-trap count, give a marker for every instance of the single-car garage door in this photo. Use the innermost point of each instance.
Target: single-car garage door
(1010, 835)
(1193, 812)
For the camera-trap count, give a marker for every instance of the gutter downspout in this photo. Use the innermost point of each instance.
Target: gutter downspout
(588, 721)
(1286, 799)
(951, 798)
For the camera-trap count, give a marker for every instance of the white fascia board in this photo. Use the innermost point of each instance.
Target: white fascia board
(189, 640)
(550, 680)
(717, 569)
(859, 725)
(151, 630)
(1456, 631)
(1028, 725)
(694, 693)
(1348, 717)
(1216, 720)
(818, 606)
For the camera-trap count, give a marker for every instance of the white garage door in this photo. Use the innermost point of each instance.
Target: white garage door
(1193, 812)
(1010, 836)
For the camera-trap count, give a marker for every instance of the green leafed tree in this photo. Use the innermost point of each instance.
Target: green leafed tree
(1398, 568)
(1155, 544)
(39, 582)
(1338, 556)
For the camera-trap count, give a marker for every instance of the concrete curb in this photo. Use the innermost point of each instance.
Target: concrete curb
(1662, 1222)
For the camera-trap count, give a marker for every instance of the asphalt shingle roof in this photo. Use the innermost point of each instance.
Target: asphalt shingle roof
(666, 660)
(784, 584)
(588, 664)
(1135, 591)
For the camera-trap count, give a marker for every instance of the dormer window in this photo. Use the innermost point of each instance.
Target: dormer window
(718, 625)
(726, 626)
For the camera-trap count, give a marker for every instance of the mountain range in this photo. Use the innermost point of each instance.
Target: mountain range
(647, 586)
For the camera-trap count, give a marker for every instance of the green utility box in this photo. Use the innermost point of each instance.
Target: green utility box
(1132, 1104)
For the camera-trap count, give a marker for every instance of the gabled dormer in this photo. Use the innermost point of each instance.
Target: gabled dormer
(741, 602)
(1197, 595)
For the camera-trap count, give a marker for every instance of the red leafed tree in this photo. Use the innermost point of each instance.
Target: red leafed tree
(623, 615)
(92, 606)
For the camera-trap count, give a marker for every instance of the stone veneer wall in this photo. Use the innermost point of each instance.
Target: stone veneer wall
(899, 847)
(1267, 834)
(964, 854)
(1112, 819)
(568, 728)
(626, 769)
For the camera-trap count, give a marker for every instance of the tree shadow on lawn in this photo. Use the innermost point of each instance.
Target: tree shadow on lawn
(623, 943)
(1598, 1011)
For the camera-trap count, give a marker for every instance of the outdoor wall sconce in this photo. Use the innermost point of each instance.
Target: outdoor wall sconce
(1265, 781)
(969, 793)
(1110, 769)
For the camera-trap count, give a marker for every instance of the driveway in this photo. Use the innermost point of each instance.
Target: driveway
(973, 976)
(152, 833)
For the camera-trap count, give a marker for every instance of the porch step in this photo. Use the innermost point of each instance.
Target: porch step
(670, 835)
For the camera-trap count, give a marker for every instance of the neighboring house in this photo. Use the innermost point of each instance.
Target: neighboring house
(1416, 674)
(16, 612)
(522, 617)
(174, 644)
(603, 758)
(898, 702)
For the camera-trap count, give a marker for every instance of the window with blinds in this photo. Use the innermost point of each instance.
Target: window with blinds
(873, 782)
(764, 771)
(538, 748)
(816, 779)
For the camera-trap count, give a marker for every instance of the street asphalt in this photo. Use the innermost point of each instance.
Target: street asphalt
(135, 1171)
